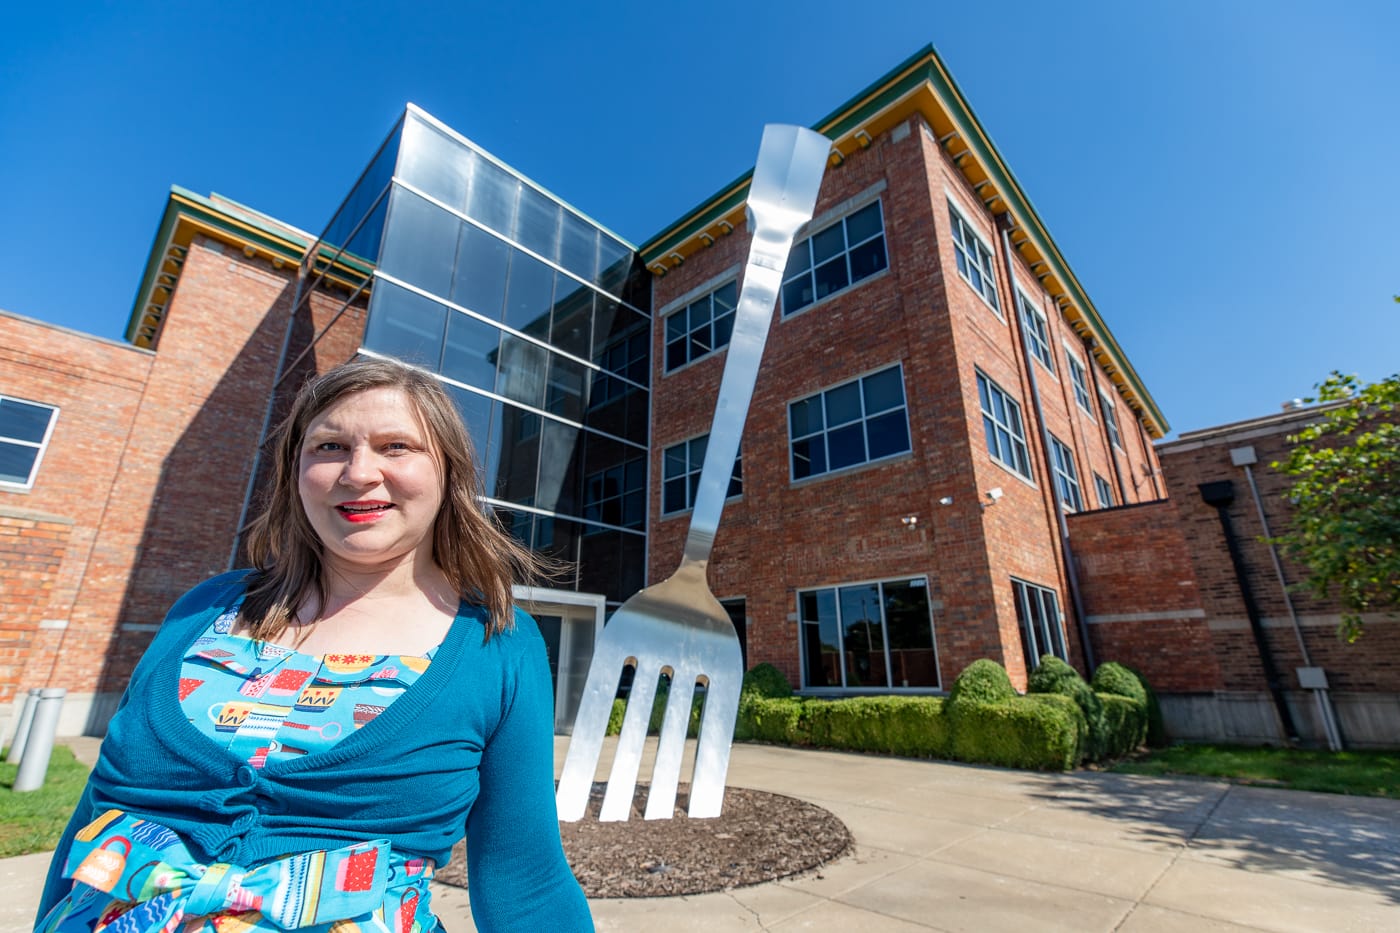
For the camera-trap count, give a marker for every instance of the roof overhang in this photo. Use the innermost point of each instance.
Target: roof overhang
(922, 85)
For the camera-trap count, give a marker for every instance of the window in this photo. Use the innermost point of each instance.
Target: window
(1079, 379)
(1037, 331)
(680, 475)
(701, 327)
(1066, 475)
(617, 496)
(1001, 419)
(835, 257)
(974, 260)
(868, 636)
(627, 356)
(1103, 491)
(856, 422)
(25, 428)
(1110, 420)
(1038, 612)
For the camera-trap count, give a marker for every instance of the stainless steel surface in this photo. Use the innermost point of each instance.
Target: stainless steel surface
(677, 626)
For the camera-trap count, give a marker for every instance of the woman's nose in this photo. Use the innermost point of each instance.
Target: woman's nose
(361, 468)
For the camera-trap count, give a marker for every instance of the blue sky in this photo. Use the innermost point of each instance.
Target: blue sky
(1222, 176)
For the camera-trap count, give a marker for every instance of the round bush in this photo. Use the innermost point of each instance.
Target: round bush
(765, 680)
(1114, 678)
(982, 681)
(1055, 676)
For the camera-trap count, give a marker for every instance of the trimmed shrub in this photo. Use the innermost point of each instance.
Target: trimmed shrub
(765, 680)
(1114, 678)
(775, 719)
(1125, 724)
(619, 709)
(893, 725)
(1054, 676)
(1040, 732)
(1156, 731)
(658, 712)
(982, 681)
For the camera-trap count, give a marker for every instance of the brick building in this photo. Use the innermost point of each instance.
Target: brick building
(947, 457)
(1231, 646)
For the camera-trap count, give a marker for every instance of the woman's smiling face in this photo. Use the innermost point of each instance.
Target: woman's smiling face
(370, 482)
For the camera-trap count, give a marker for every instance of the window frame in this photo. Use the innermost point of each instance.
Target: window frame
(1079, 382)
(1021, 591)
(1066, 475)
(708, 297)
(692, 474)
(1103, 491)
(914, 581)
(865, 418)
(41, 446)
(810, 269)
(1110, 417)
(1037, 329)
(962, 228)
(594, 522)
(1018, 435)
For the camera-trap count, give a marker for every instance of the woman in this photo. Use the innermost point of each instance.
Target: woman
(304, 742)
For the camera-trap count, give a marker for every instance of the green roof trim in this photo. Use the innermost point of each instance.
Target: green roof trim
(923, 67)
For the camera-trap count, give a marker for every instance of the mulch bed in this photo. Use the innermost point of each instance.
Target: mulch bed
(758, 837)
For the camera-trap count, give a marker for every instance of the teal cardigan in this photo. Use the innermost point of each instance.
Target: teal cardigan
(469, 746)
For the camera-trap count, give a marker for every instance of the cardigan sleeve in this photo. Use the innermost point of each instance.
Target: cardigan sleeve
(519, 880)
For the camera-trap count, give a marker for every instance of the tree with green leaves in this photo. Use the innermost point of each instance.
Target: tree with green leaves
(1345, 525)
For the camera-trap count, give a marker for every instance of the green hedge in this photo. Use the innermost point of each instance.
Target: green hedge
(1040, 732)
(1054, 676)
(1122, 680)
(1125, 725)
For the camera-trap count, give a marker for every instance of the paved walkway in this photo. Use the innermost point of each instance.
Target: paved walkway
(954, 847)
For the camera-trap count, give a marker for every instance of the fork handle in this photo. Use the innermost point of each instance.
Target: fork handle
(763, 277)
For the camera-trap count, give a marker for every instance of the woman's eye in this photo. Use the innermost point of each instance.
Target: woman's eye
(329, 447)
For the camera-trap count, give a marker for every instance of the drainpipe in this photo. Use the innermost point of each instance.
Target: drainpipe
(1071, 575)
(1313, 678)
(1220, 494)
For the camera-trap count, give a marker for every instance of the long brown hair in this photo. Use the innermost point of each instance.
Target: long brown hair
(480, 560)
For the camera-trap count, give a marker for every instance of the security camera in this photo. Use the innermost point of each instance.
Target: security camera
(995, 493)
(946, 500)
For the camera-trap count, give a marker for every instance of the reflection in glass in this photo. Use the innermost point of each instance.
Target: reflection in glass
(566, 393)
(493, 195)
(479, 282)
(520, 455)
(537, 223)
(821, 639)
(863, 636)
(571, 327)
(578, 246)
(913, 660)
(406, 325)
(476, 411)
(529, 293)
(561, 466)
(421, 247)
(471, 351)
(362, 197)
(435, 163)
(520, 373)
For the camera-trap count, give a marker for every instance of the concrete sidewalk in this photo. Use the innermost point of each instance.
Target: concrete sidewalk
(942, 846)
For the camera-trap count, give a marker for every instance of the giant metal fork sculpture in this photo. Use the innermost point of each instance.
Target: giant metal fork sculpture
(678, 626)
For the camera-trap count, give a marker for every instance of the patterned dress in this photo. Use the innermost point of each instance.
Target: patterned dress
(262, 702)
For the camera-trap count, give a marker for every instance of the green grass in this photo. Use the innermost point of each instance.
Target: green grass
(1361, 773)
(33, 821)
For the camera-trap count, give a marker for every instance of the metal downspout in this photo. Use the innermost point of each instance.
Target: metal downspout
(1071, 574)
(1220, 494)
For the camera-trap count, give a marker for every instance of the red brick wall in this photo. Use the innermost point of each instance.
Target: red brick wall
(782, 536)
(1140, 596)
(97, 386)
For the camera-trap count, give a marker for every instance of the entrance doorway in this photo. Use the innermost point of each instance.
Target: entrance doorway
(570, 623)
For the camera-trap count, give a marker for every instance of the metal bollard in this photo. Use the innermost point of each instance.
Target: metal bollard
(38, 746)
(26, 718)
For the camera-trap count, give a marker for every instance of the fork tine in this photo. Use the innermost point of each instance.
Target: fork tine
(590, 726)
(666, 774)
(716, 737)
(622, 780)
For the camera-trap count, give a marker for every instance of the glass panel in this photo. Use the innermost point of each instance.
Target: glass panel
(1029, 645)
(673, 495)
(636, 291)
(567, 392)
(913, 662)
(494, 192)
(883, 390)
(363, 247)
(613, 563)
(434, 163)
(797, 294)
(821, 639)
(846, 446)
(421, 244)
(867, 259)
(406, 325)
(863, 636)
(471, 350)
(799, 260)
(887, 435)
(674, 461)
(16, 462)
(561, 468)
(614, 264)
(863, 224)
(480, 280)
(537, 223)
(23, 421)
(805, 417)
(1050, 612)
(831, 277)
(828, 243)
(520, 454)
(724, 329)
(843, 404)
(476, 412)
(808, 457)
(521, 373)
(578, 246)
(571, 329)
(368, 191)
(529, 294)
